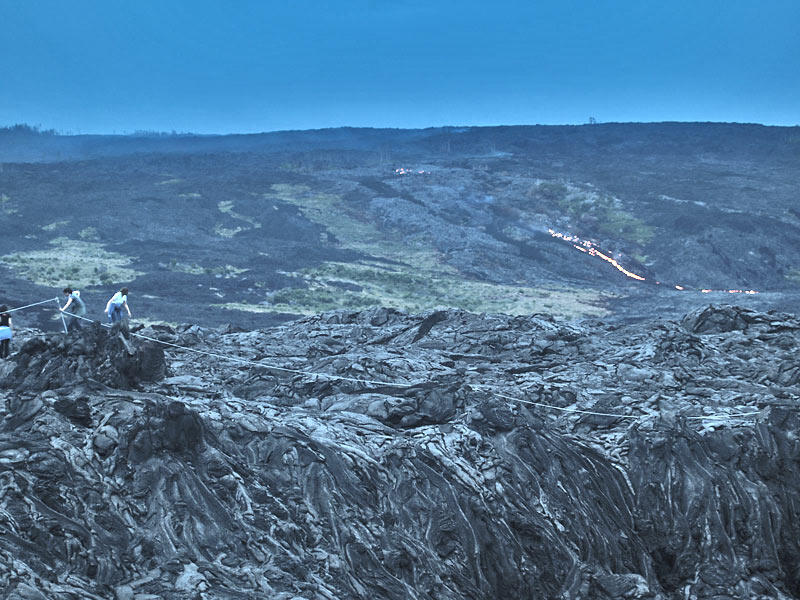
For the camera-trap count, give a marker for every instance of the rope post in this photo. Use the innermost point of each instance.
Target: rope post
(61, 312)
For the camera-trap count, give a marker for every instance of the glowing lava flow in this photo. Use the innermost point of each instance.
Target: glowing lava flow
(589, 248)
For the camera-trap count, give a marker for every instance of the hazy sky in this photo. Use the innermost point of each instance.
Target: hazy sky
(244, 66)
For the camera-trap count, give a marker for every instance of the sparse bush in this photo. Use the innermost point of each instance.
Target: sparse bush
(551, 190)
(88, 233)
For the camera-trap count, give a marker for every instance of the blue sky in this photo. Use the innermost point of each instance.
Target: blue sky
(246, 66)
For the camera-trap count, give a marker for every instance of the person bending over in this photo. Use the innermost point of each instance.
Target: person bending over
(115, 305)
(78, 306)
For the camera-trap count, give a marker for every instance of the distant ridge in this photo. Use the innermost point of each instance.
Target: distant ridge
(24, 143)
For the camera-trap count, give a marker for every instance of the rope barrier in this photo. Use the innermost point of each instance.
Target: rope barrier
(612, 415)
(10, 310)
(561, 408)
(255, 363)
(725, 416)
(284, 369)
(474, 386)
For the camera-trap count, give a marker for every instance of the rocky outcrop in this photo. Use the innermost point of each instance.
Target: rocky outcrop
(89, 352)
(383, 455)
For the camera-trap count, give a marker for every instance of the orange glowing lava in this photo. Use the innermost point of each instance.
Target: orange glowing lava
(588, 247)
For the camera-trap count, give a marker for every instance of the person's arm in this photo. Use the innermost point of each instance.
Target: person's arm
(66, 306)
(9, 323)
(128, 309)
(108, 304)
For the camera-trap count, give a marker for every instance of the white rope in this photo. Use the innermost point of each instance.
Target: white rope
(30, 305)
(256, 363)
(601, 414)
(726, 416)
(474, 386)
(260, 364)
(561, 408)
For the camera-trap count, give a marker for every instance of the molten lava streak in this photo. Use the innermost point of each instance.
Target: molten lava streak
(588, 247)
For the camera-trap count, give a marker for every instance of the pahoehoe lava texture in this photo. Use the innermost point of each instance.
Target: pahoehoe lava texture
(128, 473)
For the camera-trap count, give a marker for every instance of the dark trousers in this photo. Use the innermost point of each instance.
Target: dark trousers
(73, 323)
(4, 345)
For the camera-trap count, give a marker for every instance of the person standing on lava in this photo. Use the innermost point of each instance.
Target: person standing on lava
(115, 304)
(6, 333)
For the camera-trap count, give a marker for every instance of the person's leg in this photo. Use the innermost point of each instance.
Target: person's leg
(4, 348)
(72, 322)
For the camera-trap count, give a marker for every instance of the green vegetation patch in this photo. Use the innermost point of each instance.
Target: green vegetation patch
(227, 271)
(353, 233)
(54, 225)
(421, 281)
(226, 207)
(7, 207)
(89, 233)
(328, 210)
(226, 232)
(335, 285)
(605, 211)
(623, 225)
(71, 262)
(793, 275)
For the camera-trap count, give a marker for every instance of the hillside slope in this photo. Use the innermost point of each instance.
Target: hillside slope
(255, 230)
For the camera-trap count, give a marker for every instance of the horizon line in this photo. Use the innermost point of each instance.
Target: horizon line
(39, 130)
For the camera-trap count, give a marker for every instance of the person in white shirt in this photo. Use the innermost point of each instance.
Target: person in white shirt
(115, 304)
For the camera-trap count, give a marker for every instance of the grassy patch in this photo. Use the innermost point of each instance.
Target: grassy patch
(226, 232)
(226, 207)
(623, 225)
(227, 271)
(54, 225)
(7, 207)
(353, 233)
(336, 285)
(89, 234)
(418, 278)
(607, 212)
(190, 196)
(71, 262)
(327, 210)
(254, 308)
(793, 275)
(171, 181)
